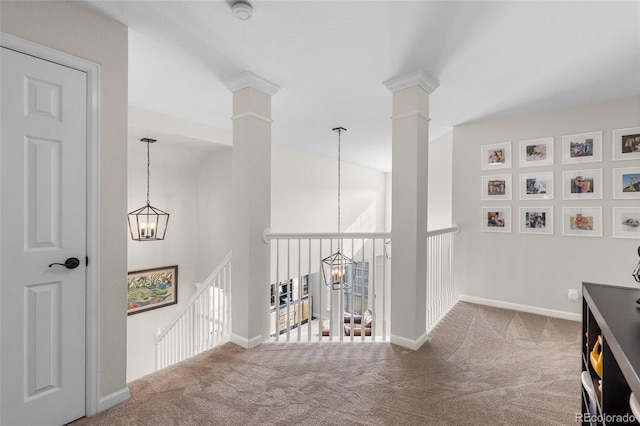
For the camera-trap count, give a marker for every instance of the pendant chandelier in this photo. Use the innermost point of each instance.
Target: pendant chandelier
(337, 268)
(148, 223)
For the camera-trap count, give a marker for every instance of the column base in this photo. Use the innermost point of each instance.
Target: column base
(414, 345)
(246, 343)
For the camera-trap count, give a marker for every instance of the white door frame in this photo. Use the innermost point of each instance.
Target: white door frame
(92, 307)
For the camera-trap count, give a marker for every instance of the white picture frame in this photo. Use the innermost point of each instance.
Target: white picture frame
(536, 186)
(582, 148)
(623, 180)
(536, 220)
(496, 187)
(496, 156)
(626, 222)
(626, 144)
(537, 152)
(582, 221)
(496, 219)
(582, 184)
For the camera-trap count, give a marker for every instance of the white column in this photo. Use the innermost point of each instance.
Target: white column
(410, 134)
(251, 175)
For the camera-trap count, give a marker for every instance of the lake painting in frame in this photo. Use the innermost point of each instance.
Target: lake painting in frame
(152, 288)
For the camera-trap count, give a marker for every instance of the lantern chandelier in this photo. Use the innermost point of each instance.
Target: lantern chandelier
(338, 268)
(148, 223)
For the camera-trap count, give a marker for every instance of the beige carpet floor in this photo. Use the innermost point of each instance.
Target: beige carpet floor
(481, 366)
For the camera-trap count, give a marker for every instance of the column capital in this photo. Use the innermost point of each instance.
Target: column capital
(247, 79)
(417, 78)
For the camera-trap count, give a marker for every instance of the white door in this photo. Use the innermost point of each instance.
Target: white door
(42, 221)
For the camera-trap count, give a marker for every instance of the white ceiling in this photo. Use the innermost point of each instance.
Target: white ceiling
(330, 59)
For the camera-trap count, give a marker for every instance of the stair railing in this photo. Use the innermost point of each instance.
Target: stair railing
(205, 322)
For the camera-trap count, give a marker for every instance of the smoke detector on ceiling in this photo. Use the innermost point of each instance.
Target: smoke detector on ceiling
(242, 10)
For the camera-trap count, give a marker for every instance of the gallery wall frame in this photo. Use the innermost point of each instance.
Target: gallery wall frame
(626, 222)
(496, 156)
(582, 184)
(536, 220)
(626, 183)
(496, 219)
(626, 144)
(582, 221)
(536, 186)
(582, 148)
(496, 187)
(151, 289)
(537, 152)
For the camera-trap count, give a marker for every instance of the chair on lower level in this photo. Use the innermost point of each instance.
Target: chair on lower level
(361, 324)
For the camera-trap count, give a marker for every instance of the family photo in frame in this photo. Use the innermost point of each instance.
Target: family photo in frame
(536, 152)
(582, 184)
(496, 156)
(536, 186)
(626, 183)
(626, 222)
(582, 221)
(496, 187)
(582, 148)
(626, 144)
(536, 220)
(496, 219)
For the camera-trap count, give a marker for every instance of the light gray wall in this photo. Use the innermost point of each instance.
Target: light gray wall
(214, 210)
(67, 27)
(537, 270)
(304, 194)
(440, 170)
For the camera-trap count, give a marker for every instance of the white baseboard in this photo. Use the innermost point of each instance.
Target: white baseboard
(113, 399)
(408, 343)
(245, 343)
(522, 308)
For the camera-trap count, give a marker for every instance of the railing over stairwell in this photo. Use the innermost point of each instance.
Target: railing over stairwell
(304, 309)
(441, 294)
(204, 323)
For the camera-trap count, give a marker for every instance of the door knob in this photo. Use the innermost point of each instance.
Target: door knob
(70, 263)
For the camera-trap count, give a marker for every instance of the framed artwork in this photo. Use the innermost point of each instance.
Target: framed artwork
(582, 221)
(536, 186)
(626, 183)
(626, 144)
(626, 222)
(536, 152)
(496, 156)
(582, 148)
(536, 220)
(496, 219)
(582, 184)
(496, 187)
(152, 288)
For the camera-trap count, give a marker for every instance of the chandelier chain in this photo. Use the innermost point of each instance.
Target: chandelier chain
(148, 173)
(339, 130)
(339, 134)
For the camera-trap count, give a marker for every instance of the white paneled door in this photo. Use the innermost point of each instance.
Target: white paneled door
(43, 228)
